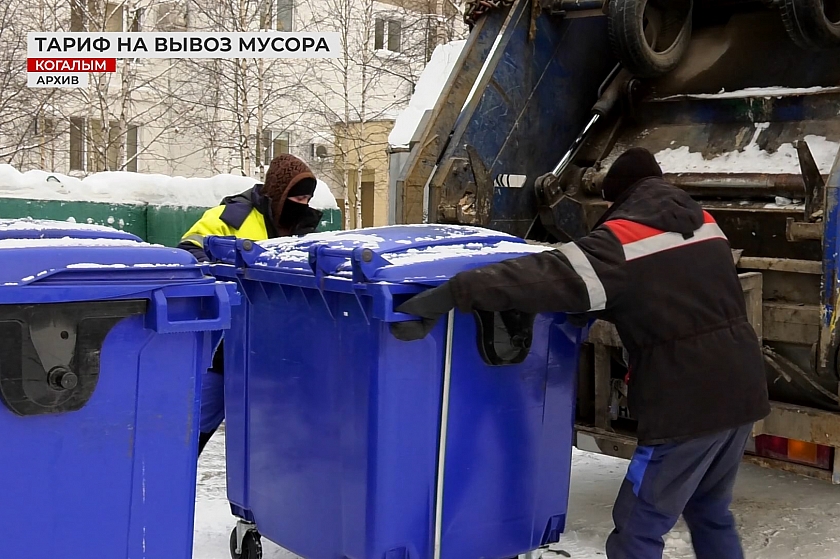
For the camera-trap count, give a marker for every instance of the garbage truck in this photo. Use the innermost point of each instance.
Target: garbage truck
(740, 103)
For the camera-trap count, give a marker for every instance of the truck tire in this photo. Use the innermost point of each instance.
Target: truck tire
(812, 24)
(650, 37)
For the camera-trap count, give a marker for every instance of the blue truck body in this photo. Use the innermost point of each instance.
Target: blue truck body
(748, 123)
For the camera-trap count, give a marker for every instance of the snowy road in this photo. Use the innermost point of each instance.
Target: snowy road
(781, 515)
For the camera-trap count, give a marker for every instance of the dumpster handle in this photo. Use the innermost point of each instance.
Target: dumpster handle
(159, 317)
(444, 423)
(383, 308)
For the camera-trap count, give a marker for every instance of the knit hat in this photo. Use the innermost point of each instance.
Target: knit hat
(305, 187)
(631, 167)
(287, 176)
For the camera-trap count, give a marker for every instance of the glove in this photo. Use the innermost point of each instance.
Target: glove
(578, 320)
(429, 306)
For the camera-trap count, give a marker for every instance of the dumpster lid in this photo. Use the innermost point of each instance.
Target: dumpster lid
(423, 254)
(28, 228)
(58, 252)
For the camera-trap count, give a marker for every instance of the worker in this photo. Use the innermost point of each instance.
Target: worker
(661, 270)
(277, 208)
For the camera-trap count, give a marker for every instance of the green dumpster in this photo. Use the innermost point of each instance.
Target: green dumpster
(331, 221)
(164, 225)
(125, 217)
(167, 224)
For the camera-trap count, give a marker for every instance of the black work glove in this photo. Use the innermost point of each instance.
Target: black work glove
(578, 320)
(429, 306)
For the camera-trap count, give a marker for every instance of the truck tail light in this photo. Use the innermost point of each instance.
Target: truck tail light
(791, 450)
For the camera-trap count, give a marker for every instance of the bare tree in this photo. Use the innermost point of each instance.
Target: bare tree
(245, 108)
(21, 135)
(92, 129)
(141, 92)
(384, 48)
(218, 115)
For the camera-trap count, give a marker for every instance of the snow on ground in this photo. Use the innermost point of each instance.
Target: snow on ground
(134, 188)
(781, 515)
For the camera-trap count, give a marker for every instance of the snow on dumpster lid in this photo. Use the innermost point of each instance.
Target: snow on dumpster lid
(426, 92)
(27, 228)
(123, 187)
(32, 250)
(406, 254)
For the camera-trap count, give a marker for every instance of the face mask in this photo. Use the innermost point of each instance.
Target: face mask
(292, 214)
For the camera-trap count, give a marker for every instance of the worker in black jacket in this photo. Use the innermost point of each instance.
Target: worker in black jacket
(661, 270)
(277, 208)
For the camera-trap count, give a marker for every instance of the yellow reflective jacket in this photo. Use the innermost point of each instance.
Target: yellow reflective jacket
(239, 216)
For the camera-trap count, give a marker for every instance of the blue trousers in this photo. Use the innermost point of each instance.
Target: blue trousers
(213, 390)
(694, 479)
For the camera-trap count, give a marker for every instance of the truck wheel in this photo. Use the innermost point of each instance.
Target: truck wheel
(812, 24)
(650, 37)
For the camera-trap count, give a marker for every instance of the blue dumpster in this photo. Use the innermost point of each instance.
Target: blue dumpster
(344, 442)
(102, 338)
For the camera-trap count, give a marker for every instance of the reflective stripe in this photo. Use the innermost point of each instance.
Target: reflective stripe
(628, 231)
(667, 241)
(581, 265)
(195, 239)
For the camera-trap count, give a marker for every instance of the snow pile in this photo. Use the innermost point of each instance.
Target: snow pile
(135, 188)
(69, 242)
(752, 159)
(29, 224)
(426, 92)
(323, 199)
(765, 92)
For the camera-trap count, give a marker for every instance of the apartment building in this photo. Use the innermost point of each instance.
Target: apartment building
(206, 116)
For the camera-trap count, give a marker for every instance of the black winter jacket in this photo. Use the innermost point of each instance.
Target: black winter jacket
(659, 268)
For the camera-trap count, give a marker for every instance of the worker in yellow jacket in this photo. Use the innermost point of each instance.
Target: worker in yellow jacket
(277, 208)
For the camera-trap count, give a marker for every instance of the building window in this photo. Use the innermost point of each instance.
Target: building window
(273, 144)
(278, 15)
(77, 144)
(94, 148)
(285, 15)
(86, 15)
(387, 35)
(131, 143)
(135, 22)
(42, 133)
(114, 17)
(77, 15)
(318, 152)
(43, 128)
(170, 16)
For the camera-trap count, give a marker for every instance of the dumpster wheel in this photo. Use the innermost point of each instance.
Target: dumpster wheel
(251, 545)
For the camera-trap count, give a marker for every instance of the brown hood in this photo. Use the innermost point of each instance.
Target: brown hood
(284, 172)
